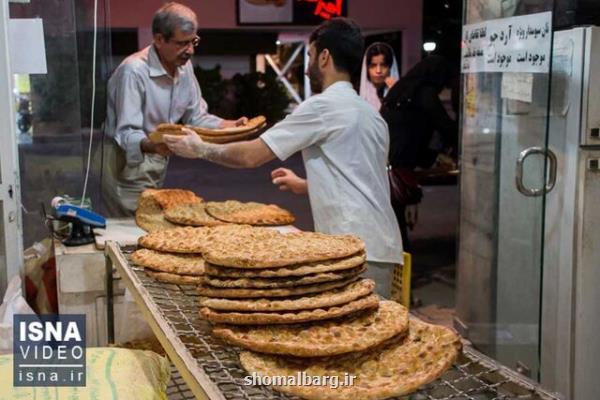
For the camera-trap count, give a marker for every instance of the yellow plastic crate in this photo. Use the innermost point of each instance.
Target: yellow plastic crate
(401, 281)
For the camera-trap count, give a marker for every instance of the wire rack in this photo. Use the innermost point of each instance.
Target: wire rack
(473, 376)
(177, 388)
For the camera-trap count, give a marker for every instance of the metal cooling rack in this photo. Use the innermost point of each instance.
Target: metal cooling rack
(177, 388)
(212, 370)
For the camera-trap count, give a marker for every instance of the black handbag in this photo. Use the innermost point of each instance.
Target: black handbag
(404, 186)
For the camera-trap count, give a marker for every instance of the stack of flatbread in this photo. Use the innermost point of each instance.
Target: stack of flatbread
(222, 135)
(152, 203)
(261, 276)
(173, 255)
(170, 208)
(393, 368)
(297, 302)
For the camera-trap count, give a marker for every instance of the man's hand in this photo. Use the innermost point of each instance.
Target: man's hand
(288, 180)
(148, 146)
(230, 123)
(188, 146)
(389, 82)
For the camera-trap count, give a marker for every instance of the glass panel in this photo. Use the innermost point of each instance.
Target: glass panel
(53, 109)
(501, 230)
(3, 266)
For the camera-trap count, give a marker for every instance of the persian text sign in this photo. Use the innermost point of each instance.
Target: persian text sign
(517, 44)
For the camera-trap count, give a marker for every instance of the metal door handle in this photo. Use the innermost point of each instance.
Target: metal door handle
(552, 164)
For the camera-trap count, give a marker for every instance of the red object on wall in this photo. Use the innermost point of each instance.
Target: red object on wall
(327, 9)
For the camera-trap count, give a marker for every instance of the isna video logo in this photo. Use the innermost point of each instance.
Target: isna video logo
(49, 350)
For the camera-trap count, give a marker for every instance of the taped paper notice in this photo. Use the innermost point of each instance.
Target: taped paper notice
(516, 44)
(517, 86)
(26, 46)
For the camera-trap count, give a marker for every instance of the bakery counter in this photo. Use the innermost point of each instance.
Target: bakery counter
(212, 368)
(81, 284)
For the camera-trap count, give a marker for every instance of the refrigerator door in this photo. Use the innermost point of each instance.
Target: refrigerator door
(587, 280)
(590, 134)
(571, 273)
(561, 209)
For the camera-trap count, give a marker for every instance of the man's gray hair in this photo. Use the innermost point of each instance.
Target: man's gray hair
(172, 16)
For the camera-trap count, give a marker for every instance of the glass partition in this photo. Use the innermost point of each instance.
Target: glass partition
(53, 109)
(504, 133)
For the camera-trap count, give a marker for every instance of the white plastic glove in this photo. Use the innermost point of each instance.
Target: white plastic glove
(189, 146)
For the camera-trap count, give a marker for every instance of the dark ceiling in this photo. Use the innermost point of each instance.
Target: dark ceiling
(442, 24)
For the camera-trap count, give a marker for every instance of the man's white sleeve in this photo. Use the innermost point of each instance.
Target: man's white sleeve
(299, 130)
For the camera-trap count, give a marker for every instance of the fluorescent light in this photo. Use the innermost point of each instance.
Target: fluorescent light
(429, 46)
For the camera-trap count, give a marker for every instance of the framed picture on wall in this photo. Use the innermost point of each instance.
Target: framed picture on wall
(256, 12)
(289, 12)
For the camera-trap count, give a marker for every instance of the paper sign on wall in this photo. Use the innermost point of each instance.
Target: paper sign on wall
(26, 46)
(516, 44)
(517, 86)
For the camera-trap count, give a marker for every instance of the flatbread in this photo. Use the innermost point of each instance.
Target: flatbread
(251, 213)
(329, 298)
(198, 239)
(221, 135)
(210, 291)
(252, 124)
(191, 214)
(158, 136)
(184, 264)
(318, 267)
(290, 317)
(323, 339)
(172, 197)
(282, 250)
(274, 283)
(232, 138)
(240, 234)
(392, 371)
(149, 215)
(174, 278)
(169, 127)
(178, 240)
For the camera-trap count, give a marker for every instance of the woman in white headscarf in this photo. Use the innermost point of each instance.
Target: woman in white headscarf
(379, 73)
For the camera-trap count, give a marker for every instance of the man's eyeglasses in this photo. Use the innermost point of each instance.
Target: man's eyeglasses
(182, 44)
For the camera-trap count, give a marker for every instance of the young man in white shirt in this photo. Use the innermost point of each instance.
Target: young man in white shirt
(344, 144)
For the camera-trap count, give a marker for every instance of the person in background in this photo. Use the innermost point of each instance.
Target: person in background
(344, 144)
(413, 111)
(153, 86)
(379, 73)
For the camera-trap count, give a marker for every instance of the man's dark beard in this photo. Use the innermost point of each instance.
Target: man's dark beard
(315, 77)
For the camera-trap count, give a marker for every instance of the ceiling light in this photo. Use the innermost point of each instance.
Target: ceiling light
(429, 46)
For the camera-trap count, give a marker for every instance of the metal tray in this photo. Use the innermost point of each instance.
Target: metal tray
(211, 369)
